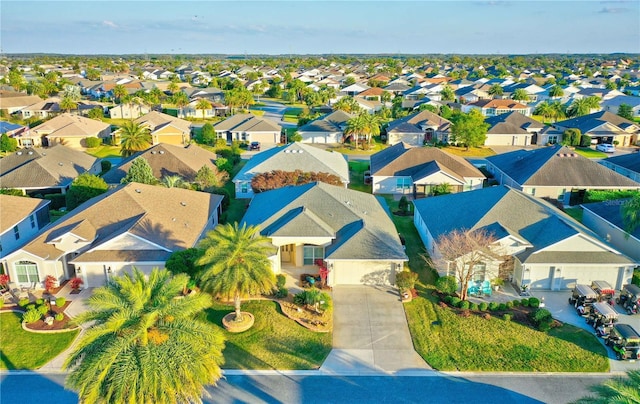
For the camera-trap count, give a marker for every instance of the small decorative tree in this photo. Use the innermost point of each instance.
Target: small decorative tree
(447, 284)
(4, 280)
(406, 280)
(49, 283)
(75, 283)
(403, 205)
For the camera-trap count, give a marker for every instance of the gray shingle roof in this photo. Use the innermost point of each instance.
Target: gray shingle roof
(512, 123)
(412, 123)
(629, 161)
(295, 156)
(362, 229)
(247, 123)
(588, 123)
(611, 211)
(558, 166)
(327, 123)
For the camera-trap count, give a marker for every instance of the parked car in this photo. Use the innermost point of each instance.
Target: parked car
(254, 146)
(606, 147)
(629, 298)
(605, 291)
(368, 179)
(625, 342)
(602, 317)
(582, 298)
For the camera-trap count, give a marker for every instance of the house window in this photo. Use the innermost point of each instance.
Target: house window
(553, 139)
(403, 183)
(27, 272)
(311, 253)
(479, 272)
(16, 232)
(244, 187)
(32, 219)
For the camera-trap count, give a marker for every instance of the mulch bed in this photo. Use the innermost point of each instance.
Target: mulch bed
(40, 325)
(306, 316)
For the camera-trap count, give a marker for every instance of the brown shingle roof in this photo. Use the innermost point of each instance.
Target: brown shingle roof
(68, 125)
(157, 120)
(17, 208)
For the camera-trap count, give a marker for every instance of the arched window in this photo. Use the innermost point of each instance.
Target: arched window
(27, 272)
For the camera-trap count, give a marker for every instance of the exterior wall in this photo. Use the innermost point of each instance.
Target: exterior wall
(508, 140)
(72, 142)
(45, 267)
(576, 243)
(630, 246)
(388, 185)
(321, 137)
(346, 272)
(170, 135)
(96, 274)
(264, 137)
(414, 139)
(566, 276)
(243, 195)
(621, 170)
(26, 232)
(128, 112)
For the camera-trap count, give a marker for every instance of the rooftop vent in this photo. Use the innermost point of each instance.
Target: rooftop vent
(138, 190)
(19, 153)
(161, 152)
(60, 164)
(183, 203)
(287, 151)
(29, 152)
(153, 152)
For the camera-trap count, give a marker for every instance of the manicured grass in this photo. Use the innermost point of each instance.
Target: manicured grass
(105, 151)
(28, 350)
(256, 112)
(590, 153)
(293, 112)
(55, 215)
(448, 341)
(237, 207)
(472, 152)
(356, 176)
(575, 213)
(274, 341)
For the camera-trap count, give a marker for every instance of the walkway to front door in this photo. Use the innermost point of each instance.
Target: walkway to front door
(371, 334)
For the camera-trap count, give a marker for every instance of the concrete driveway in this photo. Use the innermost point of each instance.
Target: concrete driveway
(371, 334)
(557, 303)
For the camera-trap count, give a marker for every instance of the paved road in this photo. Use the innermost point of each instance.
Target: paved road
(291, 388)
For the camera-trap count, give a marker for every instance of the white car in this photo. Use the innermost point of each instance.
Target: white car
(606, 147)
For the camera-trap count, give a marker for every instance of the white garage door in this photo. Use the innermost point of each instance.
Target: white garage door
(367, 273)
(94, 277)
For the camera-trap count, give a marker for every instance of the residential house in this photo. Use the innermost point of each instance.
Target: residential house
(516, 129)
(289, 158)
(167, 160)
(45, 170)
(20, 220)
(419, 128)
(133, 225)
(71, 131)
(403, 169)
(248, 128)
(327, 129)
(12, 101)
(470, 94)
(191, 110)
(210, 93)
(166, 128)
(603, 127)
(537, 246)
(495, 107)
(354, 89)
(625, 164)
(22, 134)
(128, 111)
(612, 104)
(349, 230)
(554, 172)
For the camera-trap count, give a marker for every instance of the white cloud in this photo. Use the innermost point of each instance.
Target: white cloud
(110, 24)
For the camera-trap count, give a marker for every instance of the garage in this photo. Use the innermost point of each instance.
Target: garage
(363, 273)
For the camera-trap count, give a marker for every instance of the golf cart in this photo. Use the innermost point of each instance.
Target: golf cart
(625, 342)
(604, 290)
(582, 297)
(629, 299)
(602, 317)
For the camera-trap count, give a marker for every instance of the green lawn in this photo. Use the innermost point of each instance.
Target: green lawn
(356, 176)
(448, 341)
(56, 214)
(575, 213)
(237, 207)
(590, 153)
(27, 350)
(293, 112)
(274, 341)
(105, 151)
(472, 152)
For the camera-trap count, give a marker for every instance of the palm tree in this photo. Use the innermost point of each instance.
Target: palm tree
(204, 105)
(181, 100)
(559, 110)
(347, 104)
(496, 90)
(371, 126)
(155, 95)
(520, 95)
(173, 181)
(144, 345)
(355, 128)
(235, 263)
(447, 94)
(119, 91)
(616, 390)
(556, 91)
(631, 214)
(173, 87)
(67, 104)
(579, 107)
(133, 138)
(545, 110)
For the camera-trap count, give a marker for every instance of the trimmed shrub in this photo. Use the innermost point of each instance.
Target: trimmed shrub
(280, 280)
(93, 142)
(31, 316)
(534, 302)
(542, 319)
(525, 302)
(483, 306)
(455, 301)
(508, 305)
(39, 301)
(61, 301)
(282, 292)
(585, 141)
(105, 165)
(493, 306)
(447, 284)
(473, 306)
(59, 317)
(464, 305)
(1, 303)
(507, 317)
(30, 306)
(502, 306)
(42, 309)
(23, 302)
(515, 303)
(448, 299)
(57, 200)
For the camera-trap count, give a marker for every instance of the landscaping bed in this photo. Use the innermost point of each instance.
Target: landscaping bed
(64, 324)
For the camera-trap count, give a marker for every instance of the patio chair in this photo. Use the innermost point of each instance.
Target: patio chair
(473, 290)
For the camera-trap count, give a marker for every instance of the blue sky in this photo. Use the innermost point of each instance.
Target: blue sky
(312, 27)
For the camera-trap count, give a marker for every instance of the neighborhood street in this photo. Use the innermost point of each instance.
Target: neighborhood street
(303, 387)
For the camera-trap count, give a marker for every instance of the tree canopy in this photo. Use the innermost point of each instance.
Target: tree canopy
(8, 144)
(140, 172)
(469, 129)
(278, 179)
(83, 188)
(133, 138)
(625, 111)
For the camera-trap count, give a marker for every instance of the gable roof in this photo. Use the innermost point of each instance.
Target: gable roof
(587, 123)
(557, 166)
(630, 161)
(499, 210)
(247, 123)
(157, 120)
(68, 125)
(166, 159)
(418, 162)
(513, 122)
(361, 229)
(611, 211)
(16, 208)
(498, 103)
(55, 166)
(327, 123)
(412, 123)
(295, 156)
(169, 218)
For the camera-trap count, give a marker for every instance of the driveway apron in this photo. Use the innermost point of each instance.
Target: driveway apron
(371, 334)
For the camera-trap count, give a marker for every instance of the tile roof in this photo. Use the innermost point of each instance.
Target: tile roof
(166, 159)
(558, 166)
(55, 166)
(16, 208)
(498, 103)
(295, 156)
(171, 218)
(362, 229)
